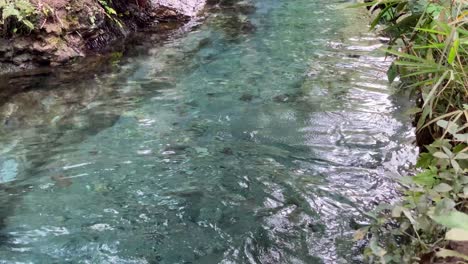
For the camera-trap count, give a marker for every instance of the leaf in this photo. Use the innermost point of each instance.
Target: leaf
(431, 94)
(396, 211)
(423, 117)
(454, 49)
(361, 233)
(425, 178)
(392, 72)
(459, 148)
(434, 9)
(24, 6)
(453, 219)
(28, 24)
(462, 137)
(443, 187)
(429, 30)
(447, 151)
(408, 22)
(379, 17)
(461, 155)
(9, 11)
(408, 56)
(445, 253)
(455, 165)
(111, 11)
(424, 160)
(451, 127)
(435, 45)
(457, 234)
(448, 175)
(408, 215)
(443, 207)
(464, 180)
(441, 155)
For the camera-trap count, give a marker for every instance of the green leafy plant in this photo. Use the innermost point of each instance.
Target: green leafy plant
(434, 201)
(429, 40)
(109, 10)
(111, 13)
(16, 15)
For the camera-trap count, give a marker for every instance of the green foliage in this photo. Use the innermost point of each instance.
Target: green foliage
(21, 15)
(430, 41)
(434, 200)
(111, 13)
(16, 15)
(109, 10)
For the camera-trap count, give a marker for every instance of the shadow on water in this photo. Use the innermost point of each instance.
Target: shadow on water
(53, 109)
(257, 137)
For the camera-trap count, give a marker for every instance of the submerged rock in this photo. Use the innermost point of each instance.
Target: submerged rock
(282, 98)
(316, 227)
(188, 8)
(245, 7)
(287, 97)
(246, 97)
(61, 181)
(227, 151)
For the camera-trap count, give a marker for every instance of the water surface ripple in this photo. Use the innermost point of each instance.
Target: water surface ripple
(253, 138)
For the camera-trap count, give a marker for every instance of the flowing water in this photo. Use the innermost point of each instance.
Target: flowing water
(259, 137)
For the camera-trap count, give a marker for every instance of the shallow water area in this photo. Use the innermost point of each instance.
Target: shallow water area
(253, 138)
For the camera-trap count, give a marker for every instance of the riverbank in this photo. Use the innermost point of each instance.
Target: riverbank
(38, 33)
(430, 224)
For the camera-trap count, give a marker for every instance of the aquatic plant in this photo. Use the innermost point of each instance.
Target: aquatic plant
(429, 40)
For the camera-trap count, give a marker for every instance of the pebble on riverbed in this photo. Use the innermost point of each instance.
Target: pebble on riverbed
(227, 151)
(316, 227)
(282, 98)
(246, 97)
(61, 181)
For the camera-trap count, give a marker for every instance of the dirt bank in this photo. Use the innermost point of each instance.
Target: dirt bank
(65, 30)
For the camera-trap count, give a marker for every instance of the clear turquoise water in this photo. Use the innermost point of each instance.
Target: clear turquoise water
(256, 138)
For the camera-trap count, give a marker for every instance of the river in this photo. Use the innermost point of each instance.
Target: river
(255, 137)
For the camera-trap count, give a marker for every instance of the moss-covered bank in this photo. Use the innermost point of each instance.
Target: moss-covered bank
(55, 32)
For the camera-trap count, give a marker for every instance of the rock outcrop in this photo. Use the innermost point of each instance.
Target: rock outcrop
(189, 8)
(66, 30)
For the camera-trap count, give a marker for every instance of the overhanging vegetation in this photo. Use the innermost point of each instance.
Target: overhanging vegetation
(430, 42)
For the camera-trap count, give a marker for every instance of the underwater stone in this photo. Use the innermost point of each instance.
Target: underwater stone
(246, 97)
(316, 227)
(227, 151)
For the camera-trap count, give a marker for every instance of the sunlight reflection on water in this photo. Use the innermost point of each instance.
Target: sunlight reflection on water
(231, 143)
